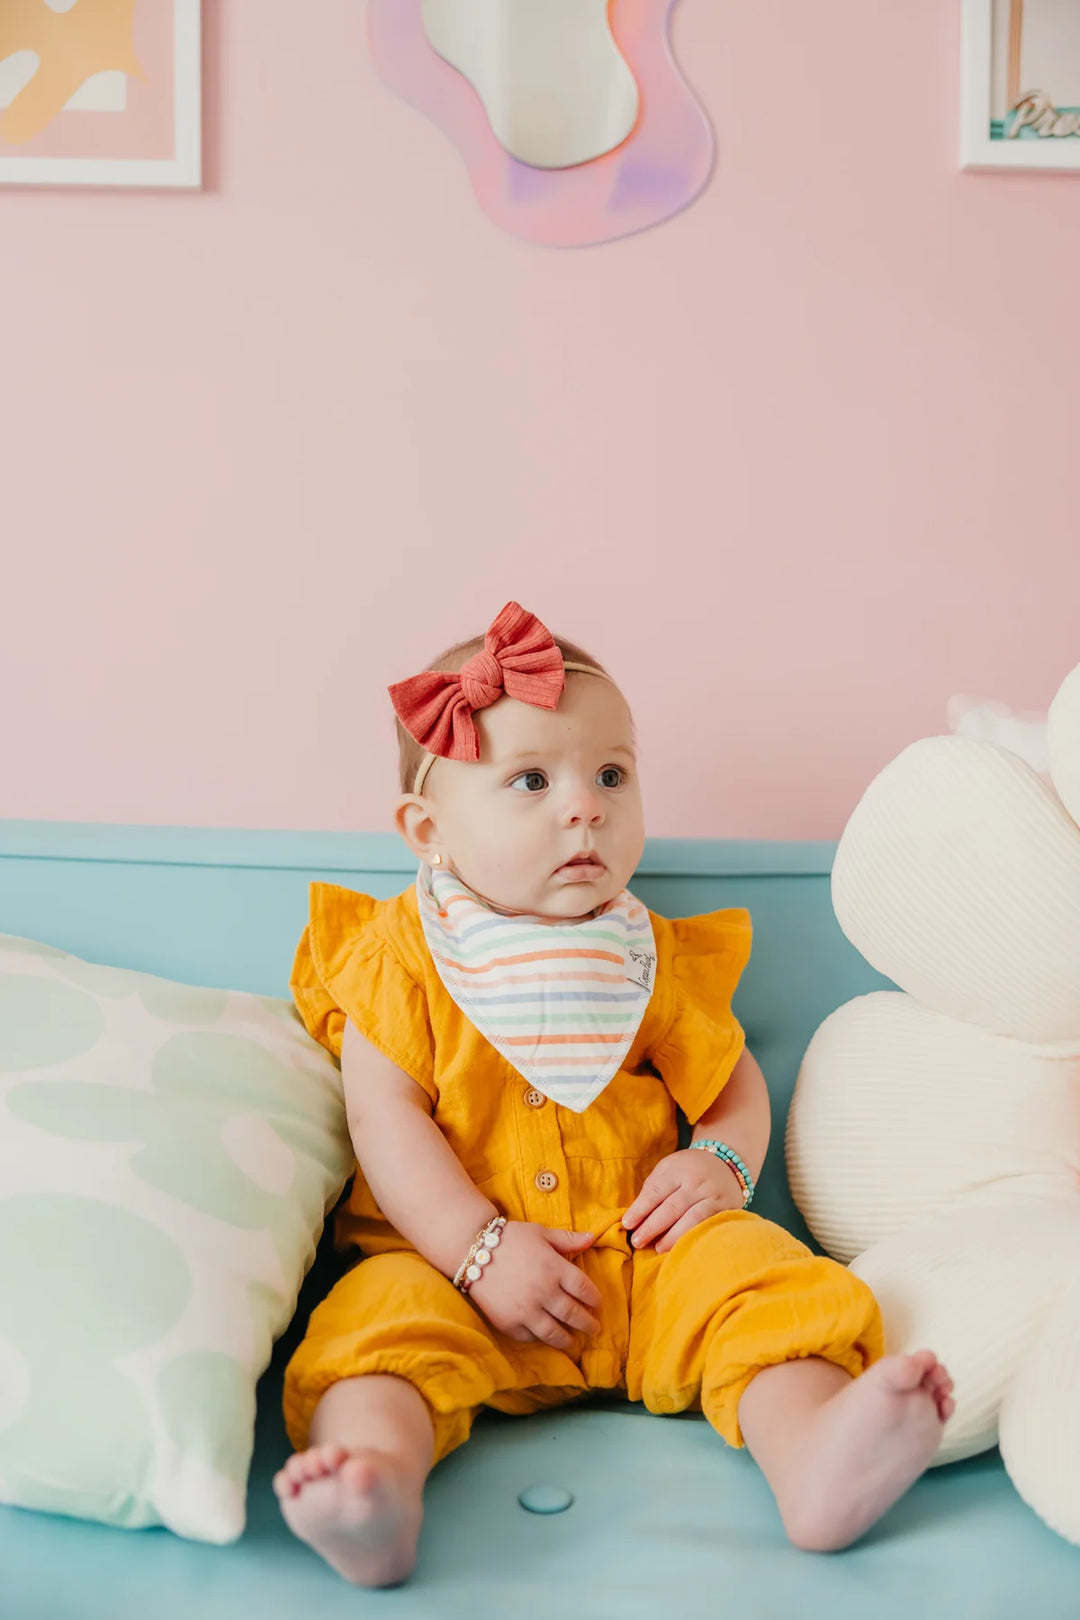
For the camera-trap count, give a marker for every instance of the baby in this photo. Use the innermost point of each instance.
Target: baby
(517, 1037)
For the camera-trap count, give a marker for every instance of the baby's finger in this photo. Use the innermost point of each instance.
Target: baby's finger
(662, 1217)
(654, 1190)
(694, 1216)
(545, 1328)
(573, 1315)
(573, 1281)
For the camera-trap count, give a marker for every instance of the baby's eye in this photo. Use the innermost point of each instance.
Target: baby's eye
(610, 777)
(530, 782)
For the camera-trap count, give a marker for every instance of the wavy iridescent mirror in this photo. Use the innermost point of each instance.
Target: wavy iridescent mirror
(551, 78)
(574, 122)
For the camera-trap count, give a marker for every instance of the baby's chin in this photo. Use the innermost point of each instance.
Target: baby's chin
(580, 899)
(553, 898)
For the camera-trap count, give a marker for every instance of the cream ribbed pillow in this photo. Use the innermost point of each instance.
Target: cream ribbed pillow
(934, 1135)
(1063, 741)
(958, 877)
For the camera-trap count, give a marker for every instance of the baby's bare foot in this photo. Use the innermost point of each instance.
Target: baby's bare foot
(870, 1442)
(360, 1510)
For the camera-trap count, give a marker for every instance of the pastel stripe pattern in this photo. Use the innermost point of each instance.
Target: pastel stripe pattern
(562, 1002)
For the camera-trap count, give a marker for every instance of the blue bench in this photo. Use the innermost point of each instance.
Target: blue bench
(666, 1521)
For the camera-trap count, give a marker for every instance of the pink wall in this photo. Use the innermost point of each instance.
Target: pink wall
(799, 464)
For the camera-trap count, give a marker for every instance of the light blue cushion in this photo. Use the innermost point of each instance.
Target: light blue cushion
(665, 1520)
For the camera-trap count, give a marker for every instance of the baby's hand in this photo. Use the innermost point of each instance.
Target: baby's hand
(684, 1189)
(532, 1291)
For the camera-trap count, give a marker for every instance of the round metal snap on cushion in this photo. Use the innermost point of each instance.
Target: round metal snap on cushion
(545, 1499)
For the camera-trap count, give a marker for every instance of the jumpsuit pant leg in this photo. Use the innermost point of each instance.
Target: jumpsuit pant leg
(394, 1314)
(735, 1295)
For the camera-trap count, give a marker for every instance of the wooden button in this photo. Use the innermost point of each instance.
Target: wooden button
(547, 1180)
(534, 1098)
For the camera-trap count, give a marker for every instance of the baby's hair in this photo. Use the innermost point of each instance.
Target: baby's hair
(410, 752)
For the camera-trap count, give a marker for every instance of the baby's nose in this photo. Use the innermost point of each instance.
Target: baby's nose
(584, 808)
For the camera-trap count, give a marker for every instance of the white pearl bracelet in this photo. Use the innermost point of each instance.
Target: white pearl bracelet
(471, 1268)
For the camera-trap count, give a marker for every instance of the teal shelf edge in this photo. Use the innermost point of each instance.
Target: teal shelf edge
(366, 852)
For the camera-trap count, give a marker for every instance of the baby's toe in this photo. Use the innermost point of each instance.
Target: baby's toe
(905, 1373)
(291, 1477)
(360, 1474)
(939, 1386)
(304, 1466)
(326, 1460)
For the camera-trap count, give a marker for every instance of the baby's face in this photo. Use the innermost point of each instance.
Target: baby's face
(549, 820)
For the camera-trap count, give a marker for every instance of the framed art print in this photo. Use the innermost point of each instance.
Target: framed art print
(100, 92)
(1021, 84)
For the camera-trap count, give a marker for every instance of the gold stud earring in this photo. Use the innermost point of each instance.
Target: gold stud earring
(436, 860)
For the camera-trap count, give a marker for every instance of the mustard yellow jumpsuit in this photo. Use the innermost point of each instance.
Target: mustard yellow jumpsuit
(686, 1329)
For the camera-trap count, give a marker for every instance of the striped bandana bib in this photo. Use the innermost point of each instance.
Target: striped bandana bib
(562, 1002)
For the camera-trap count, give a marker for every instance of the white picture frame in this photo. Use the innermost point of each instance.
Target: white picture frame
(181, 170)
(1003, 42)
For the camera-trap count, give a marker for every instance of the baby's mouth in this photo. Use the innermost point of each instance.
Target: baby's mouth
(585, 867)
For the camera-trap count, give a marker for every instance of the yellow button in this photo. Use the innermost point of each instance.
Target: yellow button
(547, 1180)
(534, 1098)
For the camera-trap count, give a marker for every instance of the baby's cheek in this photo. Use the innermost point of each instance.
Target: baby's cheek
(473, 837)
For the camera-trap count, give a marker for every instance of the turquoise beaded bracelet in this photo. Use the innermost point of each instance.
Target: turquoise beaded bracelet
(730, 1157)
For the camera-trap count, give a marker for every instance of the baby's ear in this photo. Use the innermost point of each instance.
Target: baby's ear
(414, 819)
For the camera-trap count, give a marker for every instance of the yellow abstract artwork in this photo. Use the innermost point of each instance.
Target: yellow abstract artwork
(70, 46)
(100, 92)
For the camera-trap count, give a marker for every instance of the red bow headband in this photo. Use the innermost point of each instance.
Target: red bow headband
(519, 658)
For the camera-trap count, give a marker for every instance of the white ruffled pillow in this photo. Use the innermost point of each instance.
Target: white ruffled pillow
(934, 1136)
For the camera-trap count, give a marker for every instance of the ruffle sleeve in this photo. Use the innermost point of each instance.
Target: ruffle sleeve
(347, 967)
(701, 959)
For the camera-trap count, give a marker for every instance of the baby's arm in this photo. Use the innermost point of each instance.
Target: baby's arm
(740, 1116)
(687, 1187)
(530, 1290)
(414, 1175)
